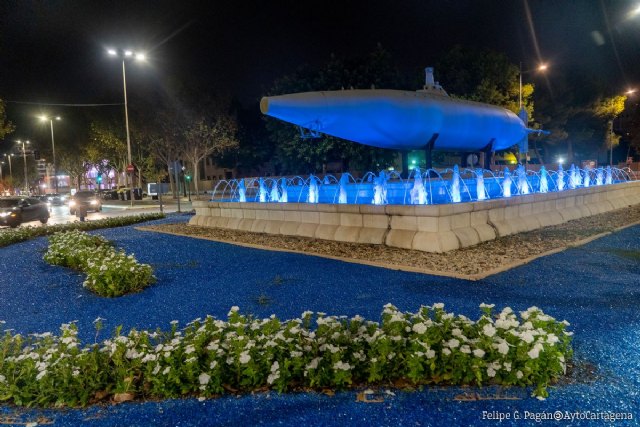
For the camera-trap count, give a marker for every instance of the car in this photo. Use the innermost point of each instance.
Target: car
(87, 200)
(16, 210)
(55, 199)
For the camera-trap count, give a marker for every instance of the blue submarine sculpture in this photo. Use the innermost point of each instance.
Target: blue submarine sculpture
(425, 119)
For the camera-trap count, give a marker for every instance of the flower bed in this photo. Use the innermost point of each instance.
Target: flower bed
(110, 273)
(242, 354)
(20, 234)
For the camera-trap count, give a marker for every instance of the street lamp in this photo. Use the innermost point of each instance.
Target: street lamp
(53, 147)
(541, 68)
(124, 54)
(24, 156)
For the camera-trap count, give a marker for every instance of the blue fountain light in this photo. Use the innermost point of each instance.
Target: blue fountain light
(420, 188)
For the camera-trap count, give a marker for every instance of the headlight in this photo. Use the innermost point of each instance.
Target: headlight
(3, 214)
(94, 202)
(72, 202)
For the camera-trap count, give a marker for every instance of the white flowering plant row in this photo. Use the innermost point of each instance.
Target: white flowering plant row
(110, 273)
(210, 357)
(20, 234)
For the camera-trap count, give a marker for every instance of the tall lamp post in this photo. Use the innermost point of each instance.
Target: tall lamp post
(53, 147)
(127, 54)
(522, 113)
(24, 157)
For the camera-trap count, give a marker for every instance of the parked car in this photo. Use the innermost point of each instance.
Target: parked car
(88, 200)
(56, 199)
(16, 210)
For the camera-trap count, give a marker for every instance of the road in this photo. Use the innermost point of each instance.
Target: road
(110, 209)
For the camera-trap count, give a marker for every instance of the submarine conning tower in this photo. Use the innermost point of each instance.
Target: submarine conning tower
(430, 85)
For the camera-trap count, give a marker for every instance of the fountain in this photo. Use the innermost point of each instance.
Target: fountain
(262, 190)
(481, 191)
(544, 180)
(455, 185)
(506, 183)
(387, 209)
(380, 189)
(418, 192)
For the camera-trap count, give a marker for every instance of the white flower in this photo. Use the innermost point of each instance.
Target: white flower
(204, 378)
(519, 374)
(233, 309)
(3, 378)
(489, 330)
(340, 365)
(189, 349)
(503, 347)
(430, 354)
(41, 374)
(479, 353)
(465, 349)
(552, 339)
(527, 336)
(507, 366)
(313, 364)
(419, 328)
(244, 357)
(438, 306)
(535, 351)
(491, 372)
(483, 305)
(156, 369)
(446, 351)
(273, 377)
(456, 332)
(166, 370)
(75, 373)
(453, 343)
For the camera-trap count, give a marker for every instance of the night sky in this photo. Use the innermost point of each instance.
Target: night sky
(55, 51)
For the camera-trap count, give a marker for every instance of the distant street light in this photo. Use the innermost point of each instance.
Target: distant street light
(140, 57)
(24, 156)
(630, 91)
(53, 147)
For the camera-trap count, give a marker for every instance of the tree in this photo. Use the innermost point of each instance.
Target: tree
(6, 127)
(106, 143)
(72, 162)
(608, 109)
(208, 137)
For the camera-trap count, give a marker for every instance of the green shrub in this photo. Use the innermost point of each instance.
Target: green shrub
(110, 273)
(20, 234)
(242, 354)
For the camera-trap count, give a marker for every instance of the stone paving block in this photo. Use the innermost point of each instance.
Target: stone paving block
(461, 220)
(467, 236)
(289, 228)
(245, 224)
(292, 216)
(404, 222)
(310, 217)
(259, 226)
(428, 223)
(485, 232)
(306, 229)
(273, 227)
(351, 219)
(233, 223)
(326, 231)
(435, 242)
(400, 238)
(329, 218)
(374, 236)
(375, 221)
(346, 233)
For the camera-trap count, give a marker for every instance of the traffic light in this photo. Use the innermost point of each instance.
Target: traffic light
(99, 178)
(188, 177)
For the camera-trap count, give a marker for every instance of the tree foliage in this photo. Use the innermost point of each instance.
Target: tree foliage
(6, 127)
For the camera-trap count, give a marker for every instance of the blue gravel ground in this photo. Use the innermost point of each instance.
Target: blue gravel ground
(596, 287)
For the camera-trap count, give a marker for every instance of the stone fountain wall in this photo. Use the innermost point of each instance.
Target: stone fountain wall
(430, 228)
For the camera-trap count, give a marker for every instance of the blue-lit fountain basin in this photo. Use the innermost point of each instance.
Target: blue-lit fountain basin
(422, 187)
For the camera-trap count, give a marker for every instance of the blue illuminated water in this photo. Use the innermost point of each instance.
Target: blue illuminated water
(432, 186)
